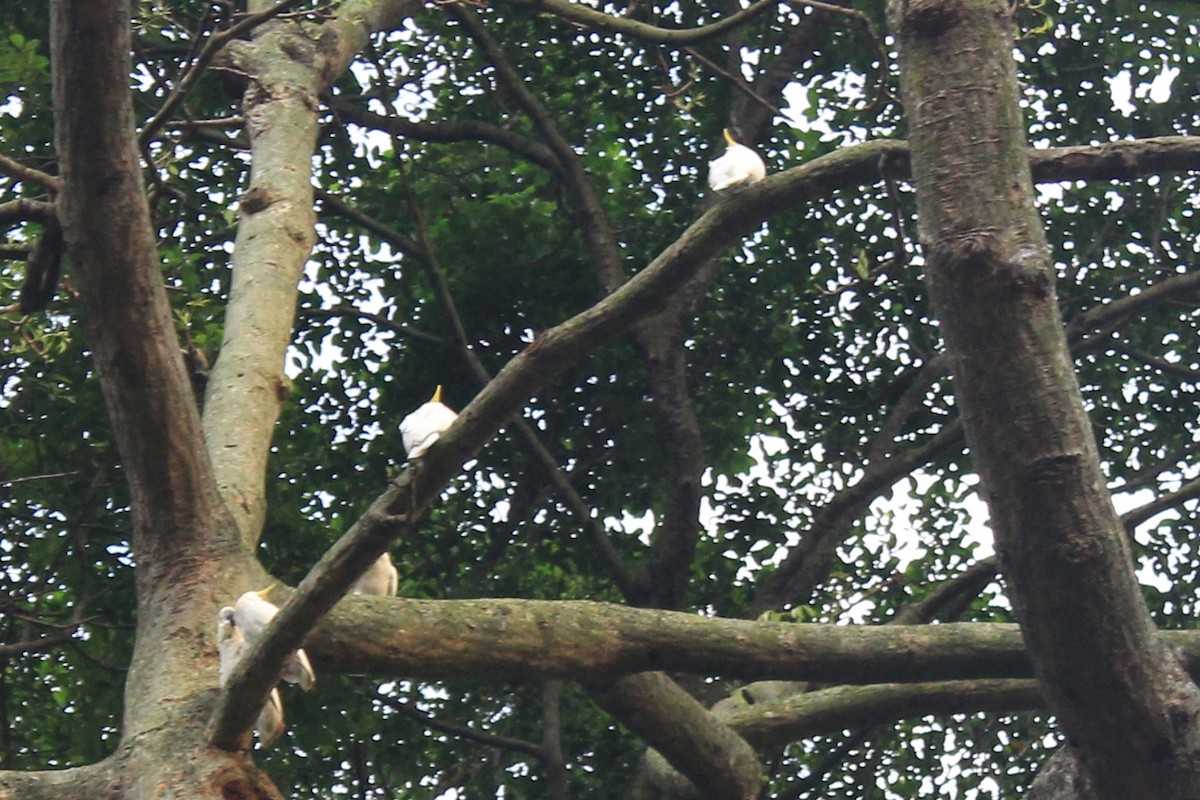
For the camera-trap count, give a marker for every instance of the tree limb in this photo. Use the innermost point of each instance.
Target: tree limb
(20, 172)
(779, 722)
(592, 642)
(712, 756)
(77, 783)
(453, 131)
(587, 17)
(23, 209)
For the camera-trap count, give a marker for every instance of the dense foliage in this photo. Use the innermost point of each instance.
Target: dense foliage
(835, 485)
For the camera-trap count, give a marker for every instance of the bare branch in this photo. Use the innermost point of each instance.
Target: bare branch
(1188, 491)
(457, 131)
(779, 722)
(587, 17)
(462, 731)
(377, 320)
(77, 783)
(16, 169)
(595, 642)
(40, 644)
(1101, 315)
(23, 209)
(557, 785)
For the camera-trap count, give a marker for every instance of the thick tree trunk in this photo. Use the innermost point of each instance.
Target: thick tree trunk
(1062, 546)
(182, 535)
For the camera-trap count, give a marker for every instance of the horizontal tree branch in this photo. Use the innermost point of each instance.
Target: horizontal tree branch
(588, 641)
(463, 731)
(23, 209)
(77, 783)
(799, 716)
(40, 644)
(452, 131)
(588, 17)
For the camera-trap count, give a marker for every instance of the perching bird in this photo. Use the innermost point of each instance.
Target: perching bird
(231, 646)
(251, 613)
(739, 166)
(421, 428)
(380, 578)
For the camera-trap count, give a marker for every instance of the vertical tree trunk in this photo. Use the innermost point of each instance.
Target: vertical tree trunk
(181, 530)
(1061, 544)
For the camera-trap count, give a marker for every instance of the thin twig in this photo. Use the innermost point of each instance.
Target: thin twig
(736, 80)
(377, 319)
(461, 730)
(46, 476)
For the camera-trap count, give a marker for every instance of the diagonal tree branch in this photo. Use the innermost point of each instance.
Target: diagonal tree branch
(461, 730)
(20, 172)
(716, 760)
(627, 582)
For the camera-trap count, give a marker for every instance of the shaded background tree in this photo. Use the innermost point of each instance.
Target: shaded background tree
(777, 440)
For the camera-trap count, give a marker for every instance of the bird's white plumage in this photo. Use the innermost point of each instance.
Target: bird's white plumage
(231, 646)
(251, 613)
(420, 429)
(739, 166)
(380, 578)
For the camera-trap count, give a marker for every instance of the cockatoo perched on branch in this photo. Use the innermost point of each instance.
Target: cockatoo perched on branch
(740, 166)
(251, 613)
(231, 646)
(380, 578)
(421, 428)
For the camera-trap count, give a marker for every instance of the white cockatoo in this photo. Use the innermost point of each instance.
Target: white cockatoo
(251, 613)
(380, 578)
(231, 646)
(740, 166)
(421, 428)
